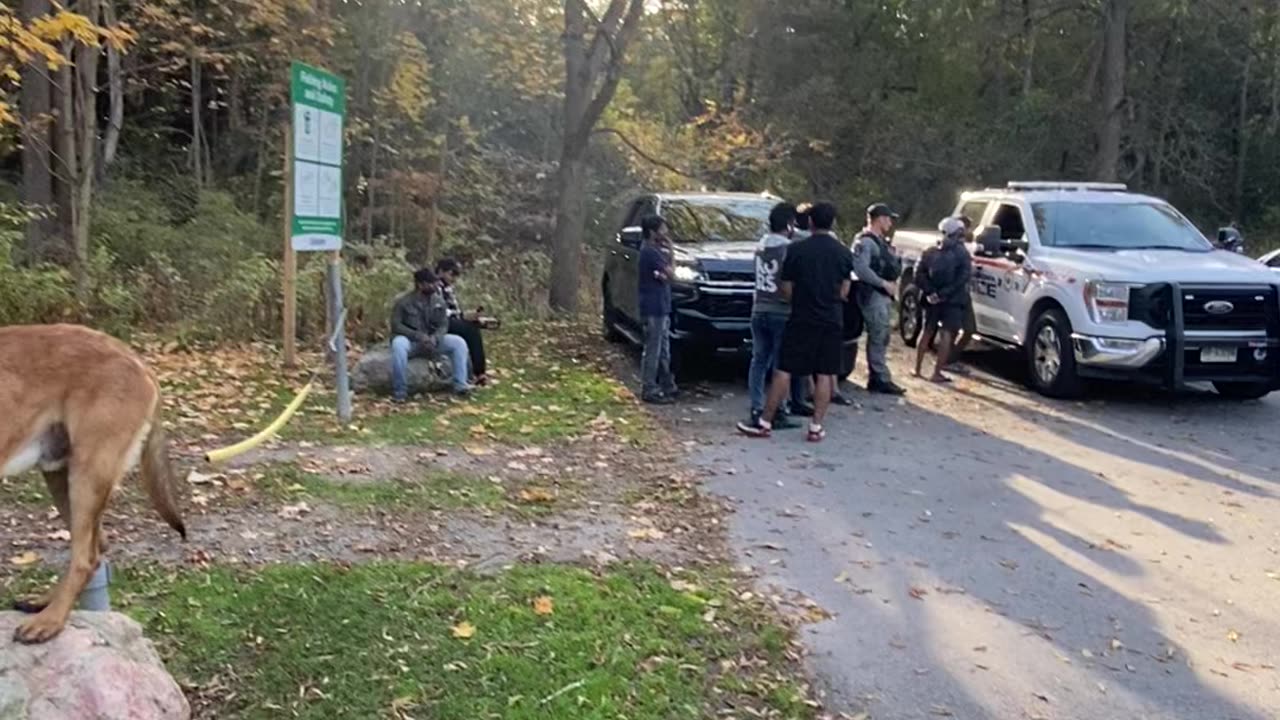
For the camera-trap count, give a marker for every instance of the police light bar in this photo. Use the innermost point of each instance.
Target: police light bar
(1076, 186)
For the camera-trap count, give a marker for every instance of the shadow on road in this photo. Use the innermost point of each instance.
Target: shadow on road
(1006, 556)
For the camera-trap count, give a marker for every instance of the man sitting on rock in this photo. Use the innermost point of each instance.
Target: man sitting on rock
(420, 328)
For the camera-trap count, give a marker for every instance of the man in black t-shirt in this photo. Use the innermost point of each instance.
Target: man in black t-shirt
(816, 278)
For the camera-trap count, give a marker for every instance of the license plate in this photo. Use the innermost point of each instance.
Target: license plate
(1218, 355)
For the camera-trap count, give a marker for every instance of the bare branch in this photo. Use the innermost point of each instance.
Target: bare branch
(642, 154)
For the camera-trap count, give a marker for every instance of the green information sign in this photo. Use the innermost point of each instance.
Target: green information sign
(319, 113)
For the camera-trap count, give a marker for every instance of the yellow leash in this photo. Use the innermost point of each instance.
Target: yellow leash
(224, 454)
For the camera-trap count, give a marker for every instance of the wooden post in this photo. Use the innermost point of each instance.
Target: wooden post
(290, 258)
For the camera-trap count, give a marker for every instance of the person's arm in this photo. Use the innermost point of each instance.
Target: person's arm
(844, 290)
(439, 324)
(398, 324)
(785, 289)
(862, 252)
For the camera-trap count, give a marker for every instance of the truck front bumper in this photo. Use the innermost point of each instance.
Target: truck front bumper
(1116, 353)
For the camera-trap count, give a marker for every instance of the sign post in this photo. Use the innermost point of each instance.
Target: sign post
(313, 202)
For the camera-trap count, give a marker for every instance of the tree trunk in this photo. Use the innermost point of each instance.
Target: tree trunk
(35, 103)
(1242, 122)
(115, 85)
(592, 72)
(86, 96)
(68, 170)
(371, 205)
(1114, 66)
(197, 127)
(1028, 48)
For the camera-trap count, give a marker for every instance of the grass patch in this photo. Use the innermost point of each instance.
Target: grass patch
(553, 384)
(429, 491)
(383, 640)
(27, 489)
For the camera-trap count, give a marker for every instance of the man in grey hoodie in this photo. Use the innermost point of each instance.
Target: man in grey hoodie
(769, 310)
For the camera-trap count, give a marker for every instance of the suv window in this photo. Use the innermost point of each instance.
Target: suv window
(1009, 218)
(640, 208)
(974, 210)
(717, 219)
(1275, 261)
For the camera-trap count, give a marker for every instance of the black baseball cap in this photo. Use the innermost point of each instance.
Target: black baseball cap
(881, 210)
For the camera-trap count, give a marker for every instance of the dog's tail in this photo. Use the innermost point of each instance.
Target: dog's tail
(157, 474)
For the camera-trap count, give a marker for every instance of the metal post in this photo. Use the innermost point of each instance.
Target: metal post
(95, 596)
(338, 338)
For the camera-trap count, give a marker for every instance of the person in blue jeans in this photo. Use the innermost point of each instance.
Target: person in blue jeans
(654, 289)
(420, 328)
(769, 310)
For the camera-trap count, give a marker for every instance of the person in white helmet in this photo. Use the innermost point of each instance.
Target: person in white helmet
(944, 277)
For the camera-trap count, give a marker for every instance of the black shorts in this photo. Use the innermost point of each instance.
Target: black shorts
(811, 349)
(950, 317)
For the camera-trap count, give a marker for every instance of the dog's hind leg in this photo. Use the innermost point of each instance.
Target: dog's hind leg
(56, 480)
(98, 463)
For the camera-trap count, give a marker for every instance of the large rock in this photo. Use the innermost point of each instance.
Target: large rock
(372, 374)
(99, 668)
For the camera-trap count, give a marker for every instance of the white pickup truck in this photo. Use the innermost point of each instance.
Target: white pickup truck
(1088, 280)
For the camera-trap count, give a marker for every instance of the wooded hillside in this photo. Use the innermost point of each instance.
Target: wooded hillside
(141, 140)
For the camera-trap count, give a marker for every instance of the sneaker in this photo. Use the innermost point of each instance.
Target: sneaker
(464, 391)
(756, 430)
(674, 393)
(817, 433)
(885, 387)
(782, 422)
(658, 399)
(805, 411)
(400, 400)
(839, 398)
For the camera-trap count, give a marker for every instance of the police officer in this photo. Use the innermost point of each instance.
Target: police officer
(877, 268)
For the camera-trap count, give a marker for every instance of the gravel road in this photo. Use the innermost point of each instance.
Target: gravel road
(987, 553)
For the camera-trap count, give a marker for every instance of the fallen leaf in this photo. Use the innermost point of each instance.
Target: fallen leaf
(543, 605)
(648, 533)
(842, 577)
(60, 535)
(941, 711)
(918, 593)
(25, 559)
(477, 450)
(1116, 644)
(294, 512)
(537, 495)
(198, 478)
(464, 631)
(478, 430)
(1233, 636)
(1087, 652)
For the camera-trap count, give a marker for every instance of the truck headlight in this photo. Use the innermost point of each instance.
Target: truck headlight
(686, 273)
(1108, 302)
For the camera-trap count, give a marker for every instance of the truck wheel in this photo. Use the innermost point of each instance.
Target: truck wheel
(910, 316)
(1242, 390)
(1051, 357)
(609, 318)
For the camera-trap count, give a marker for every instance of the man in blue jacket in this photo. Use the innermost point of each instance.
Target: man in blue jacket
(654, 285)
(943, 277)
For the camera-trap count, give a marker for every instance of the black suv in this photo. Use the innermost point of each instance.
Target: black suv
(715, 236)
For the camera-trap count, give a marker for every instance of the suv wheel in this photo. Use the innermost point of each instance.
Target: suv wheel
(1242, 390)
(910, 316)
(1051, 357)
(609, 317)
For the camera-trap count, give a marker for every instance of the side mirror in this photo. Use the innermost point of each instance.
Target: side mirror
(989, 241)
(631, 236)
(1230, 239)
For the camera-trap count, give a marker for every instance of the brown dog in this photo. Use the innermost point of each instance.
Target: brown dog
(85, 409)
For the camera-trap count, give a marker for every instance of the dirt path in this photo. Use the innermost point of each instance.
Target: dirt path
(593, 501)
